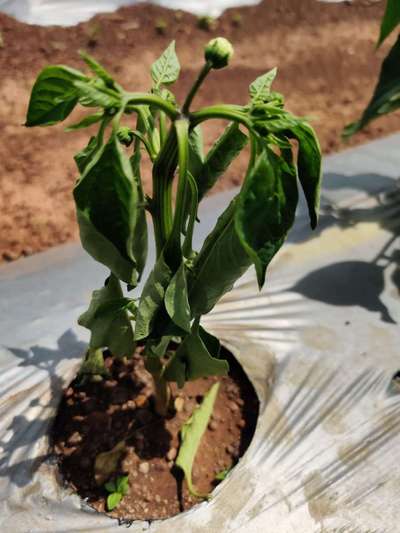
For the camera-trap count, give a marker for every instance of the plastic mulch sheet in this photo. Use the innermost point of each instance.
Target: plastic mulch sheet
(321, 344)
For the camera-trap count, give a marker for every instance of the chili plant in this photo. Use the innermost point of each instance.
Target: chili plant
(111, 206)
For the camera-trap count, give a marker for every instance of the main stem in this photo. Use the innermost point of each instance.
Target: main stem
(162, 393)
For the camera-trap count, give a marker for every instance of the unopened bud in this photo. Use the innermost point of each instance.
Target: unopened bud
(218, 52)
(125, 135)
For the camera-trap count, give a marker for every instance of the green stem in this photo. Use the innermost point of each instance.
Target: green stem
(227, 112)
(163, 172)
(201, 77)
(134, 99)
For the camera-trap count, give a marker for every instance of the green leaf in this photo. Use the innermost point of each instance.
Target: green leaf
(266, 209)
(123, 485)
(386, 97)
(196, 156)
(166, 69)
(53, 96)
(111, 214)
(309, 167)
(260, 89)
(390, 20)
(98, 69)
(221, 155)
(113, 500)
(108, 320)
(86, 122)
(191, 434)
(176, 299)
(110, 486)
(192, 360)
(96, 96)
(152, 298)
(221, 261)
(83, 157)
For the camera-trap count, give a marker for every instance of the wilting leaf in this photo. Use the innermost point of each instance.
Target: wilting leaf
(176, 299)
(386, 97)
(152, 298)
(53, 96)
(86, 122)
(83, 157)
(107, 463)
(97, 69)
(165, 70)
(221, 155)
(191, 434)
(390, 19)
(192, 360)
(111, 215)
(221, 261)
(260, 89)
(266, 209)
(309, 167)
(108, 320)
(95, 96)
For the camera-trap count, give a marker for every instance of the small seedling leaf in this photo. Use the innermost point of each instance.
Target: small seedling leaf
(122, 485)
(191, 434)
(165, 70)
(260, 89)
(110, 486)
(113, 500)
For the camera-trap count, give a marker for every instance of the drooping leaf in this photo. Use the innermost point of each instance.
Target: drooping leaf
(221, 155)
(83, 157)
(87, 121)
(113, 500)
(91, 95)
(196, 155)
(106, 463)
(110, 215)
(53, 96)
(192, 360)
(152, 298)
(386, 97)
(97, 69)
(266, 209)
(221, 261)
(390, 19)
(191, 434)
(309, 167)
(260, 89)
(108, 320)
(165, 70)
(176, 299)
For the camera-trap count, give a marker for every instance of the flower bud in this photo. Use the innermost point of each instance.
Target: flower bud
(125, 135)
(218, 52)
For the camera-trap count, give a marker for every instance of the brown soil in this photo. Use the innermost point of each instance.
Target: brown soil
(96, 417)
(325, 54)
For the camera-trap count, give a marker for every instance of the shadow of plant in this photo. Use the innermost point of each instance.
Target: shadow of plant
(359, 282)
(20, 460)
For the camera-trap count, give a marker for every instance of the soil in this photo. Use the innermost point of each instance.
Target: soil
(327, 70)
(117, 412)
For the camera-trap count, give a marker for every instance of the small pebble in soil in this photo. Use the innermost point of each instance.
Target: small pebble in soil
(75, 438)
(157, 498)
(172, 454)
(233, 406)
(144, 468)
(141, 400)
(230, 449)
(241, 423)
(213, 425)
(179, 404)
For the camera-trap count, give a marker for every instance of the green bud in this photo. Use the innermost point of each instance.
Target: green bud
(218, 52)
(125, 135)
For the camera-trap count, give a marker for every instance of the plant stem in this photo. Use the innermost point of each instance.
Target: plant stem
(203, 73)
(134, 99)
(227, 112)
(162, 393)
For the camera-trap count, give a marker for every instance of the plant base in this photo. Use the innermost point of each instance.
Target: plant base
(95, 417)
